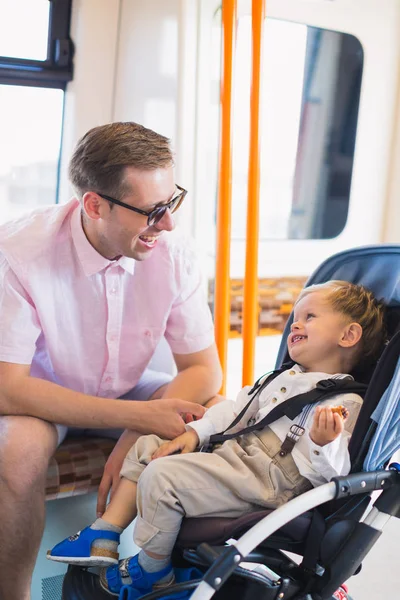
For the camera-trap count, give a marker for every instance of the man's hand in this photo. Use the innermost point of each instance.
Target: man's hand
(110, 479)
(184, 444)
(327, 425)
(166, 417)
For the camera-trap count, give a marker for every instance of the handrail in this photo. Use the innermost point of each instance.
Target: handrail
(250, 297)
(222, 269)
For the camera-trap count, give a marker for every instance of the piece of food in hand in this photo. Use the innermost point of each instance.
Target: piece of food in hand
(340, 410)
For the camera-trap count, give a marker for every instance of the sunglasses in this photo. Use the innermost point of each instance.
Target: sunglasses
(155, 215)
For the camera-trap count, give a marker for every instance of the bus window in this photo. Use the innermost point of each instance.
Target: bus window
(23, 29)
(35, 66)
(31, 126)
(310, 95)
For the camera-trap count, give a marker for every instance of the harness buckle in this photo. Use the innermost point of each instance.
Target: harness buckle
(297, 430)
(326, 384)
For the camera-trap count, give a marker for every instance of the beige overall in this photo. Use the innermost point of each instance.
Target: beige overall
(240, 476)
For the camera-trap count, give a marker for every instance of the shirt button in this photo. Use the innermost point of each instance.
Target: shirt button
(113, 291)
(147, 333)
(316, 452)
(108, 379)
(274, 400)
(283, 390)
(292, 372)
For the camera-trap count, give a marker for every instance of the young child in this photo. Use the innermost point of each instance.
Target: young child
(336, 326)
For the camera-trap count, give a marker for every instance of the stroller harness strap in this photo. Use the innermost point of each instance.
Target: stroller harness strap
(290, 408)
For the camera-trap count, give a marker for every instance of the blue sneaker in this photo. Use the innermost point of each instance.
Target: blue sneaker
(77, 549)
(181, 576)
(130, 573)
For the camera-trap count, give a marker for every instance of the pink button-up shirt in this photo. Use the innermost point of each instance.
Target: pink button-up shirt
(88, 323)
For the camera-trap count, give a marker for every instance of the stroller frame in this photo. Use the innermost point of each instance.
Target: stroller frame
(387, 505)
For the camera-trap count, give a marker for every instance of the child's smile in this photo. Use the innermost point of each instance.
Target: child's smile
(295, 338)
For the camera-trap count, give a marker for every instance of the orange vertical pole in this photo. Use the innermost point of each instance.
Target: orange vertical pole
(250, 298)
(222, 269)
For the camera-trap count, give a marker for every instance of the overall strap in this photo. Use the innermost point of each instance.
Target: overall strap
(293, 406)
(255, 391)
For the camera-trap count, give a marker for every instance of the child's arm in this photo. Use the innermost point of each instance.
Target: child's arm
(328, 438)
(216, 419)
(328, 424)
(220, 416)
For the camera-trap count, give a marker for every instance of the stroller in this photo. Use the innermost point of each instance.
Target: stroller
(323, 526)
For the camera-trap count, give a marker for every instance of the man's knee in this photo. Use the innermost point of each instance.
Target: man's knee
(215, 400)
(26, 445)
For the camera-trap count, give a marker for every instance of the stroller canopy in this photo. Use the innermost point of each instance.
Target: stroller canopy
(386, 440)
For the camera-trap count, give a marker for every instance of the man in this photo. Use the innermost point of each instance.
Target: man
(87, 290)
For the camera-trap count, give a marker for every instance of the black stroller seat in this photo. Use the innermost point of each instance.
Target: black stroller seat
(330, 539)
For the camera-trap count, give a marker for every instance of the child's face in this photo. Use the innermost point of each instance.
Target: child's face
(316, 332)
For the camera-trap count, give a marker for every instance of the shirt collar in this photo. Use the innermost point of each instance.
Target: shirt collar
(300, 369)
(92, 262)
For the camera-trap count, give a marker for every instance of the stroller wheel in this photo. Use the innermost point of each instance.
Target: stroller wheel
(342, 593)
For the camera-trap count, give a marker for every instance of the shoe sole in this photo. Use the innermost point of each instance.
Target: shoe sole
(92, 561)
(103, 584)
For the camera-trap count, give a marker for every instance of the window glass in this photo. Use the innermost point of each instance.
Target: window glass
(310, 93)
(24, 28)
(311, 81)
(31, 126)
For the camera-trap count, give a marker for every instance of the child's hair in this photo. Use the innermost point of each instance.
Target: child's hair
(361, 306)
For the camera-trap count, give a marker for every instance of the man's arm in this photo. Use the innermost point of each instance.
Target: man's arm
(199, 376)
(21, 394)
(198, 380)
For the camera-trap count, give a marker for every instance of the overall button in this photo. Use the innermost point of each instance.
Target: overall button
(283, 390)
(274, 400)
(316, 452)
(292, 372)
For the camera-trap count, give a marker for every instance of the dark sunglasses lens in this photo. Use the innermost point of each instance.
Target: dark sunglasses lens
(156, 215)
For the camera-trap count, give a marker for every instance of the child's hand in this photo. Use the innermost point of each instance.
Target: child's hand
(327, 425)
(184, 443)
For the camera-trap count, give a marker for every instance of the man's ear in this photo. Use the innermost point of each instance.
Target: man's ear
(93, 205)
(351, 335)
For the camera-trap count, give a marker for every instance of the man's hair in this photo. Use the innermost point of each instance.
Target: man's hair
(100, 158)
(360, 306)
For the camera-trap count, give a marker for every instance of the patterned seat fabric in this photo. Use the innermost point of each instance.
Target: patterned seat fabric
(77, 466)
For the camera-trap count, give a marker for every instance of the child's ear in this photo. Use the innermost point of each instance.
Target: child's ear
(351, 335)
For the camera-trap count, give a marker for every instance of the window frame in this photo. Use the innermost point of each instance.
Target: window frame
(57, 70)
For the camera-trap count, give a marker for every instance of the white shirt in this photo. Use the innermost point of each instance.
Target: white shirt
(317, 463)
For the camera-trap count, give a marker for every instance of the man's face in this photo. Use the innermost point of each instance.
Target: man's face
(122, 232)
